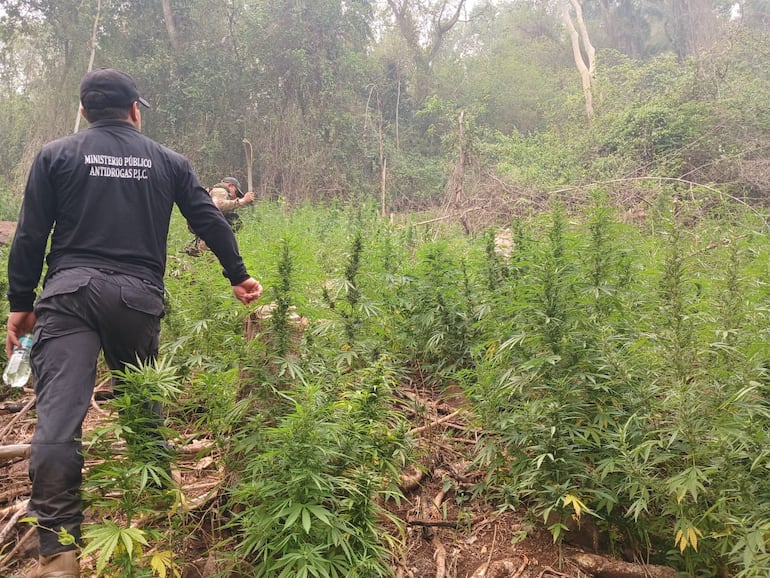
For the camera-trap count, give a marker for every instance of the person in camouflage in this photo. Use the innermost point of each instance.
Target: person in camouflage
(228, 197)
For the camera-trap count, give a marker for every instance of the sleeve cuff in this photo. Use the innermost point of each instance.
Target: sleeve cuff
(236, 277)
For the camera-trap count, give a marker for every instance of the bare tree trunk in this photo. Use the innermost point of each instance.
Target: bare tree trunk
(455, 186)
(168, 16)
(398, 106)
(581, 43)
(249, 151)
(383, 189)
(94, 37)
(374, 92)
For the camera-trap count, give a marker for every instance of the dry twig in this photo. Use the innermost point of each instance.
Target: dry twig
(17, 417)
(22, 509)
(432, 523)
(427, 427)
(27, 535)
(500, 569)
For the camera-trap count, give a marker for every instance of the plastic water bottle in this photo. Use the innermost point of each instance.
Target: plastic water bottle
(18, 370)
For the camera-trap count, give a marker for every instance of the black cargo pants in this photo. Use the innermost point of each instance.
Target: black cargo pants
(80, 312)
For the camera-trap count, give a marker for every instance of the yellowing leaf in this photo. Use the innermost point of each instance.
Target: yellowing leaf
(687, 537)
(576, 504)
(680, 541)
(692, 536)
(161, 563)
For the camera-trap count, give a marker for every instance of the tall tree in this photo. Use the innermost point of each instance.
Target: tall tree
(424, 26)
(170, 20)
(583, 51)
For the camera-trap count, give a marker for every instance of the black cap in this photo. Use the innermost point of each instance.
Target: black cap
(234, 181)
(109, 88)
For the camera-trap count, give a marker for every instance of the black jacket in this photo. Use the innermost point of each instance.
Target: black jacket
(108, 193)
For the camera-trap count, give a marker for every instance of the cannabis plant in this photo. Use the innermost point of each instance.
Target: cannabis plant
(131, 477)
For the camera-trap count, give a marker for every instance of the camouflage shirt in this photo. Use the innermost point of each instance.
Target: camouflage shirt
(220, 194)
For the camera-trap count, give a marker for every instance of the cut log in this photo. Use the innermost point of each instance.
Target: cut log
(14, 451)
(603, 567)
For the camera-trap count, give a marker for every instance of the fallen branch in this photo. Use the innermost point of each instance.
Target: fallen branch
(186, 504)
(11, 407)
(409, 482)
(603, 567)
(439, 552)
(195, 446)
(550, 571)
(448, 216)
(11, 492)
(432, 523)
(439, 555)
(197, 503)
(97, 409)
(12, 509)
(430, 426)
(438, 500)
(14, 451)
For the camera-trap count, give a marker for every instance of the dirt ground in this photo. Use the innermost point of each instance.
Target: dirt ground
(7, 229)
(450, 533)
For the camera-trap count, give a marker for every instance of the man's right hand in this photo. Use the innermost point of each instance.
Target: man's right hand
(19, 323)
(248, 198)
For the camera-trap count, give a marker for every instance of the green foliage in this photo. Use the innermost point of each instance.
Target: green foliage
(135, 482)
(350, 310)
(280, 315)
(122, 549)
(307, 502)
(618, 372)
(656, 134)
(437, 307)
(617, 390)
(328, 104)
(520, 68)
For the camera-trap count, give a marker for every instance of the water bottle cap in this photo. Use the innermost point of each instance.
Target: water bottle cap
(25, 340)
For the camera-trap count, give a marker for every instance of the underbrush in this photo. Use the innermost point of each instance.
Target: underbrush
(618, 372)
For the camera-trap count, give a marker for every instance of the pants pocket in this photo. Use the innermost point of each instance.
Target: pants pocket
(144, 300)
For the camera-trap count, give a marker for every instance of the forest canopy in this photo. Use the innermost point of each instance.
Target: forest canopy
(413, 104)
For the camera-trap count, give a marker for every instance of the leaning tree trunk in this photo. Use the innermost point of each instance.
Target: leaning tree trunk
(582, 50)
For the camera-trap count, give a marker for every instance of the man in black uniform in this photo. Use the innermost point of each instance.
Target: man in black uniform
(105, 196)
